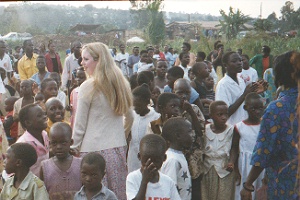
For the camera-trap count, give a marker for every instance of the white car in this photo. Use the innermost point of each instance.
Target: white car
(14, 36)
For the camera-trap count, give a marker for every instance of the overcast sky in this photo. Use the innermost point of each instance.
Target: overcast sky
(248, 7)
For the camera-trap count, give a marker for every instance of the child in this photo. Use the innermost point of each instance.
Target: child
(60, 94)
(210, 95)
(143, 64)
(55, 112)
(23, 184)
(191, 74)
(61, 172)
(92, 172)
(42, 74)
(49, 88)
(80, 78)
(122, 59)
(143, 115)
(248, 74)
(160, 79)
(154, 96)
(27, 98)
(184, 58)
(147, 182)
(201, 72)
(221, 150)
(177, 132)
(169, 105)
(10, 126)
(34, 121)
(247, 132)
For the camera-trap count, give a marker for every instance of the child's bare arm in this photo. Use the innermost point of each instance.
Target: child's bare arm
(195, 122)
(234, 150)
(147, 173)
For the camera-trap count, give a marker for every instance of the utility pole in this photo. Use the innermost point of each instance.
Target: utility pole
(260, 10)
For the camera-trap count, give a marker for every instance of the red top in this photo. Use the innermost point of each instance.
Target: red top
(49, 63)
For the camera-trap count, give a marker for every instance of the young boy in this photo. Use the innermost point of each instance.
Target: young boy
(177, 132)
(42, 73)
(184, 58)
(147, 182)
(143, 64)
(122, 59)
(10, 126)
(92, 172)
(55, 112)
(61, 172)
(23, 184)
(60, 95)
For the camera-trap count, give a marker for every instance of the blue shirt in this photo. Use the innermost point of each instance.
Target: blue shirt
(35, 78)
(275, 148)
(194, 94)
(103, 194)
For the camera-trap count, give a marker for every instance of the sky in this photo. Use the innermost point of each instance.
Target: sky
(212, 7)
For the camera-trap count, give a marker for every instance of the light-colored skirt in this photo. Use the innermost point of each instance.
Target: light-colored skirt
(215, 188)
(116, 170)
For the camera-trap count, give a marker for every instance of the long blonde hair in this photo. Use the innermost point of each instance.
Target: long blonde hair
(108, 78)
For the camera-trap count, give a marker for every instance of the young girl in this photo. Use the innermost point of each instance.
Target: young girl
(247, 131)
(27, 98)
(220, 154)
(80, 78)
(49, 88)
(34, 121)
(160, 79)
(143, 115)
(61, 172)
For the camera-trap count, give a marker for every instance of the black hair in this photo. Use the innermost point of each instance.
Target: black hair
(136, 47)
(201, 54)
(142, 92)
(176, 72)
(165, 98)
(25, 152)
(145, 77)
(214, 105)
(172, 127)
(216, 43)
(41, 56)
(143, 51)
(267, 49)
(188, 45)
(94, 158)
(133, 82)
(24, 114)
(25, 42)
(170, 48)
(251, 96)
(150, 49)
(17, 47)
(67, 130)
(121, 45)
(220, 45)
(197, 66)
(182, 54)
(153, 141)
(45, 82)
(246, 56)
(284, 69)
(225, 58)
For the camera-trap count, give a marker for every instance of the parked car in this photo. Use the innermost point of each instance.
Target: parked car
(14, 36)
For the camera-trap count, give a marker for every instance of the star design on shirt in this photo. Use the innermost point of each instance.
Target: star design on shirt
(184, 175)
(178, 189)
(189, 190)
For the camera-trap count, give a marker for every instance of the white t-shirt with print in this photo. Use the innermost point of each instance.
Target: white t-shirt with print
(164, 189)
(249, 75)
(176, 167)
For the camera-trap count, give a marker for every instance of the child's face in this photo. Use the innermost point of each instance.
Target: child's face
(10, 162)
(9, 105)
(161, 69)
(91, 176)
(80, 77)
(183, 91)
(185, 136)
(60, 143)
(140, 106)
(55, 111)
(155, 93)
(37, 119)
(157, 156)
(173, 108)
(51, 90)
(144, 57)
(234, 64)
(185, 59)
(122, 48)
(171, 80)
(220, 115)
(136, 51)
(255, 109)
(40, 63)
(209, 82)
(25, 88)
(191, 75)
(39, 98)
(203, 71)
(245, 62)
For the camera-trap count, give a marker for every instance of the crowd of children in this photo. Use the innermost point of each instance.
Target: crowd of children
(191, 138)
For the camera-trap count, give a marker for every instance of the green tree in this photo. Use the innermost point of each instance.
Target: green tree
(232, 23)
(156, 28)
(263, 25)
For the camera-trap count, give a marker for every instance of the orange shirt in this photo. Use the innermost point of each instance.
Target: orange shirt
(266, 63)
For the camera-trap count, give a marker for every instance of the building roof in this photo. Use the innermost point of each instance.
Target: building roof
(84, 27)
(203, 24)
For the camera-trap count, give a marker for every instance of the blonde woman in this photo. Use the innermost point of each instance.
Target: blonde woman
(104, 101)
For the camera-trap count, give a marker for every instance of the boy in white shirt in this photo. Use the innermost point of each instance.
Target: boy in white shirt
(177, 132)
(248, 74)
(148, 183)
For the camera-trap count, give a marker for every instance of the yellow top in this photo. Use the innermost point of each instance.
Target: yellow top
(27, 67)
